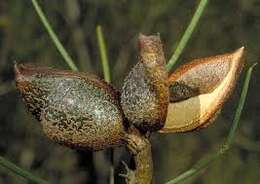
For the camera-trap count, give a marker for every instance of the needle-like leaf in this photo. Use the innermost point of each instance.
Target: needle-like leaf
(103, 53)
(54, 37)
(21, 172)
(187, 34)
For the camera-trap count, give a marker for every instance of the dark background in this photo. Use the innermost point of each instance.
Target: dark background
(225, 26)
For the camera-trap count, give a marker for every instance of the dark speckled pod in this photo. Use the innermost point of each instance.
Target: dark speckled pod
(145, 94)
(76, 110)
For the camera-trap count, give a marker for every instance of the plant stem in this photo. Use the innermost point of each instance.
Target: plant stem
(201, 164)
(140, 148)
(187, 34)
(235, 124)
(21, 172)
(103, 53)
(53, 36)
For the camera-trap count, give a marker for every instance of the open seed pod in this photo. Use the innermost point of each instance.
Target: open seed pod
(199, 89)
(75, 109)
(145, 94)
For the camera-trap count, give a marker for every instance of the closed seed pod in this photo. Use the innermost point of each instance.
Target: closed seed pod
(145, 94)
(199, 89)
(77, 110)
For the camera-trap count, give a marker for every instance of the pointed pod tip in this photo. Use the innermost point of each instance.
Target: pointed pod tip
(142, 38)
(238, 55)
(17, 71)
(149, 43)
(240, 51)
(142, 35)
(22, 70)
(146, 38)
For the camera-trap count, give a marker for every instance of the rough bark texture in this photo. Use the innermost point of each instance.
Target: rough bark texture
(140, 147)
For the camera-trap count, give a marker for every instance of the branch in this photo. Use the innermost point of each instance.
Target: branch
(53, 36)
(187, 34)
(235, 124)
(21, 172)
(201, 164)
(140, 148)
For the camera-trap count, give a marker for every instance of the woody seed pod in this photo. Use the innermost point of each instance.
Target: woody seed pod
(199, 89)
(77, 110)
(145, 94)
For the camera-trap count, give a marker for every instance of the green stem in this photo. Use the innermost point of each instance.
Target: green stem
(53, 36)
(235, 124)
(103, 53)
(201, 164)
(187, 34)
(21, 172)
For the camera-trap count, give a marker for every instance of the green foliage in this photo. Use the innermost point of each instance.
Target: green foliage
(20, 172)
(103, 53)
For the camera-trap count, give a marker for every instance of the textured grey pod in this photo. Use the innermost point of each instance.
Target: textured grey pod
(145, 94)
(77, 110)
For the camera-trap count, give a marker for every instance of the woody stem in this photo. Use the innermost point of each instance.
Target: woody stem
(140, 148)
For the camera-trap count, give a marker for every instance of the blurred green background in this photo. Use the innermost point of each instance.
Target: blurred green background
(225, 26)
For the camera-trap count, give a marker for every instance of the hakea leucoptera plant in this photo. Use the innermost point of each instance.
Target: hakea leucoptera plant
(82, 111)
